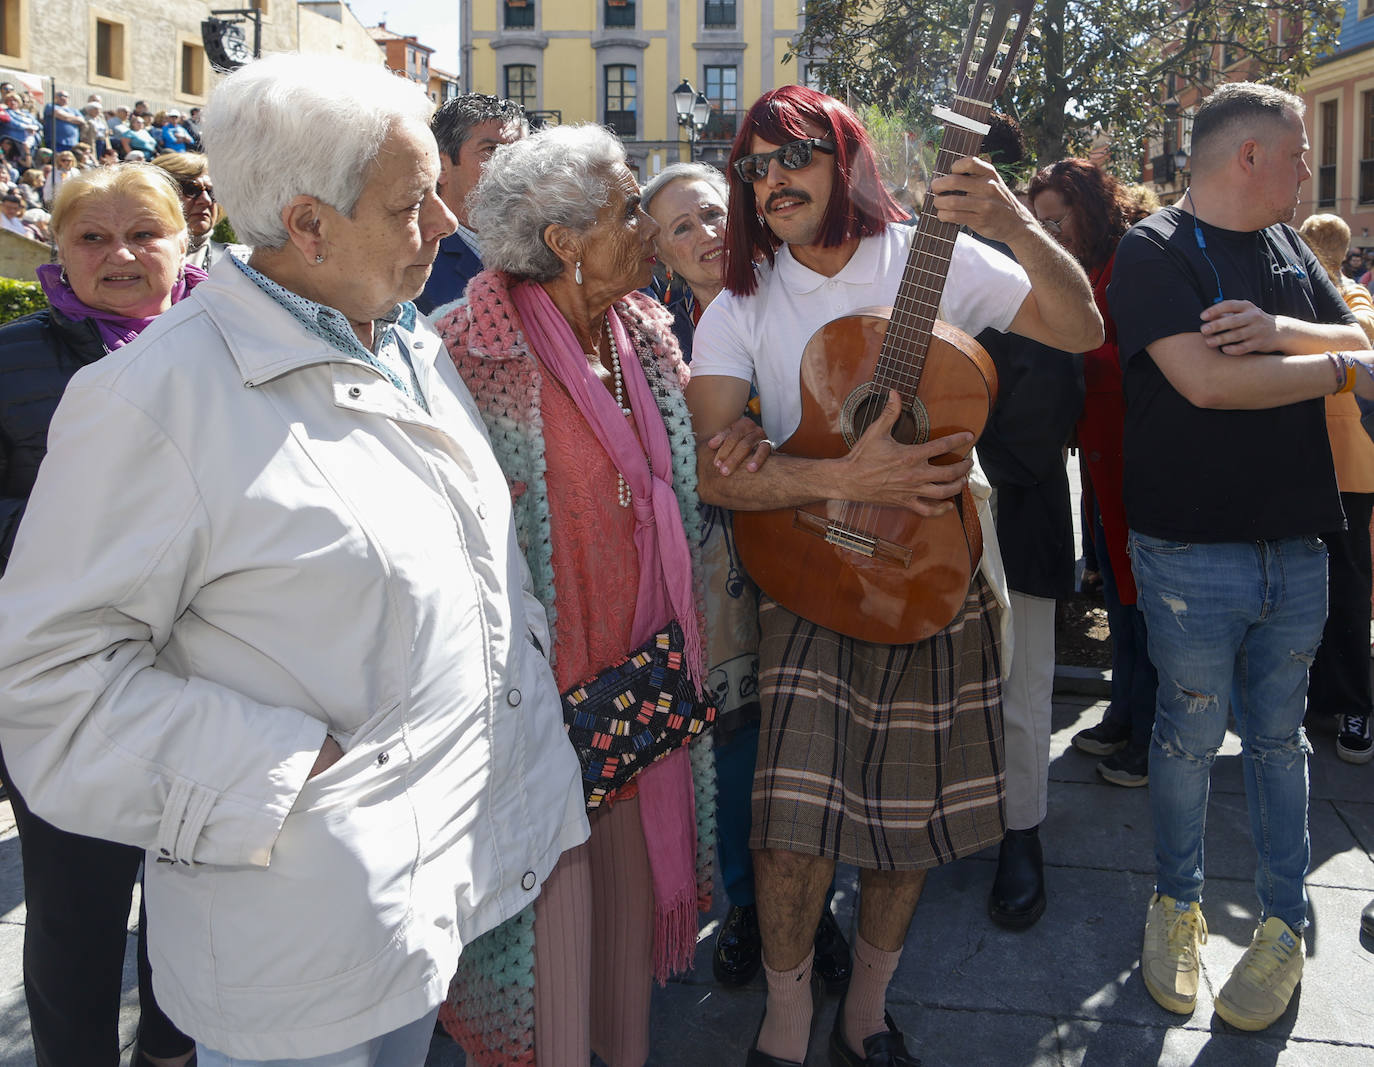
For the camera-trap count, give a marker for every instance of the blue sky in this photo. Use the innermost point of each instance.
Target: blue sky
(434, 22)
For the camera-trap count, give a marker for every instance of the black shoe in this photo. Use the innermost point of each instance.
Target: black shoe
(832, 961)
(1354, 743)
(1103, 739)
(1367, 919)
(1129, 767)
(739, 952)
(880, 1050)
(1017, 899)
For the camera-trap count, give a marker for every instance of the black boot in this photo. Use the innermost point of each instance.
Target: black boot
(832, 961)
(739, 952)
(1017, 899)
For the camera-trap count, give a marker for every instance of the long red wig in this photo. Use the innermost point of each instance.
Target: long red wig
(859, 206)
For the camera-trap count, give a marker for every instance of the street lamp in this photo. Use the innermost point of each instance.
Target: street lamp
(693, 110)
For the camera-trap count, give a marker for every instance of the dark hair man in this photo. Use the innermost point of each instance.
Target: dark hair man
(806, 199)
(469, 128)
(1223, 317)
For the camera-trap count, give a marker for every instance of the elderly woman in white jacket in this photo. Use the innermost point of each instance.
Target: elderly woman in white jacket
(266, 617)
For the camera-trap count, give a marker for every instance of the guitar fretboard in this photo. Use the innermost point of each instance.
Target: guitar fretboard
(917, 303)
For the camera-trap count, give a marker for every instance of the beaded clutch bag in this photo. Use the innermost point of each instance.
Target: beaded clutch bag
(633, 713)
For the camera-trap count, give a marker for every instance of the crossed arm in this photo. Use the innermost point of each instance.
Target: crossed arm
(1284, 359)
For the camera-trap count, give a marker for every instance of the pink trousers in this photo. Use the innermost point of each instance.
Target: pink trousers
(593, 948)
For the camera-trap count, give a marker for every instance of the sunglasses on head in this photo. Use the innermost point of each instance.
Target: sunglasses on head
(792, 156)
(190, 190)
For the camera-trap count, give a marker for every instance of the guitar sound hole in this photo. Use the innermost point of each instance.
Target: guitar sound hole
(912, 426)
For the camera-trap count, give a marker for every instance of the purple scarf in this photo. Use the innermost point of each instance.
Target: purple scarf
(115, 330)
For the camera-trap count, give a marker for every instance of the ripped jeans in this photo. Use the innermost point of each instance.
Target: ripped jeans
(1232, 627)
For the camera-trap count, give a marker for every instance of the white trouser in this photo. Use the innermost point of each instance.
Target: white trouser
(1027, 694)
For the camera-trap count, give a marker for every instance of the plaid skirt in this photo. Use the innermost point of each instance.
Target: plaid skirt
(888, 757)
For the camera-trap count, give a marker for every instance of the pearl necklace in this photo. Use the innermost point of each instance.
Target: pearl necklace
(623, 495)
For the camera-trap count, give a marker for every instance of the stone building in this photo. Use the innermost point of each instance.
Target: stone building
(617, 62)
(125, 51)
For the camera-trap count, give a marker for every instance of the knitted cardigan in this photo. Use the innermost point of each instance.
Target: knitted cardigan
(490, 1007)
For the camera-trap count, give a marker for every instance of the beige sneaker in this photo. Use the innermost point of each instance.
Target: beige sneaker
(1262, 984)
(1169, 960)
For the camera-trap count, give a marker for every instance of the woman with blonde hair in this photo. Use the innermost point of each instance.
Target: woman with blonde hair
(1339, 682)
(121, 249)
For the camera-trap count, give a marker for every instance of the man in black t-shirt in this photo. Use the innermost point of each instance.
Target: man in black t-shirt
(1230, 335)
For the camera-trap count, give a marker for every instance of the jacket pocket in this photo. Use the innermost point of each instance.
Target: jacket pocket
(336, 896)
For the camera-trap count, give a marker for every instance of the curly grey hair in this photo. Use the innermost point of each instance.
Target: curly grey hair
(558, 176)
(698, 172)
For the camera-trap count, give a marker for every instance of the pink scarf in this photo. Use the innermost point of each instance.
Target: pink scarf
(666, 804)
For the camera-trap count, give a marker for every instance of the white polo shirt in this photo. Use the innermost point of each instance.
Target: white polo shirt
(761, 337)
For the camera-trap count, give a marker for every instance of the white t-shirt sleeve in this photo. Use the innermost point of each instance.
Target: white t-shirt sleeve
(722, 343)
(985, 289)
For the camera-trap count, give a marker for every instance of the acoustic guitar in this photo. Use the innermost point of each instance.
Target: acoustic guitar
(879, 573)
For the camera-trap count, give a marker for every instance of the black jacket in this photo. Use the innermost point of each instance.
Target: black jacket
(38, 356)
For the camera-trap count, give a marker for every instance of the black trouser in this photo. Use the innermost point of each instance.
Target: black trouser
(1339, 681)
(77, 892)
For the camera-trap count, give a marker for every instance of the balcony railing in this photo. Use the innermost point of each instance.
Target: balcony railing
(622, 123)
(721, 126)
(620, 14)
(519, 15)
(1326, 185)
(720, 15)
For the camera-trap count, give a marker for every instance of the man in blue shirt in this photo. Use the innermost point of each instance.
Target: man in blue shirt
(469, 128)
(61, 125)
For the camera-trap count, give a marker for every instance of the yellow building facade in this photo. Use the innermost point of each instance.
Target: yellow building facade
(617, 62)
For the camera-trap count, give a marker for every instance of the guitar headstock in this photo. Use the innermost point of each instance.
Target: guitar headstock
(996, 32)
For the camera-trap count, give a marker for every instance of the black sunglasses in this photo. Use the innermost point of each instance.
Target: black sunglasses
(792, 156)
(190, 190)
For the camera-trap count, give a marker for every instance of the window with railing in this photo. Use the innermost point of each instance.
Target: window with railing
(720, 14)
(621, 82)
(1326, 160)
(619, 13)
(1367, 148)
(722, 90)
(519, 14)
(520, 84)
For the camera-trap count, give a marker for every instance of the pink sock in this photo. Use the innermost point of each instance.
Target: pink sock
(787, 1019)
(866, 1000)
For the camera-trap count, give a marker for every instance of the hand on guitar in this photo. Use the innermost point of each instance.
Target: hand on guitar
(974, 195)
(743, 442)
(882, 470)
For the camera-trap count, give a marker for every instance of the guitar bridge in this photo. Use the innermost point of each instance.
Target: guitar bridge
(852, 540)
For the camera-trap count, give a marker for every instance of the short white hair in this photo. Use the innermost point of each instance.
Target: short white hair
(695, 172)
(293, 125)
(560, 175)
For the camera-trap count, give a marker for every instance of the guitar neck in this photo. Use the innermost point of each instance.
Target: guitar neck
(917, 304)
(996, 33)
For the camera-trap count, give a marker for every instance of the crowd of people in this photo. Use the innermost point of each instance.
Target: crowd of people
(41, 149)
(405, 643)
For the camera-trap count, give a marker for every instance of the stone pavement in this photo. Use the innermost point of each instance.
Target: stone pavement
(1065, 992)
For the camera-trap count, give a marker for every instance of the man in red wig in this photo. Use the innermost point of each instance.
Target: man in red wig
(888, 757)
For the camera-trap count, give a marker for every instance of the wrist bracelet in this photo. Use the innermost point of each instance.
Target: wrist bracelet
(1338, 366)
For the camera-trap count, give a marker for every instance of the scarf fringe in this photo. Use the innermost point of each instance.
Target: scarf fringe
(675, 922)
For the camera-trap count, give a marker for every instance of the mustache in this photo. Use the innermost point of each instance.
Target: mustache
(785, 194)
